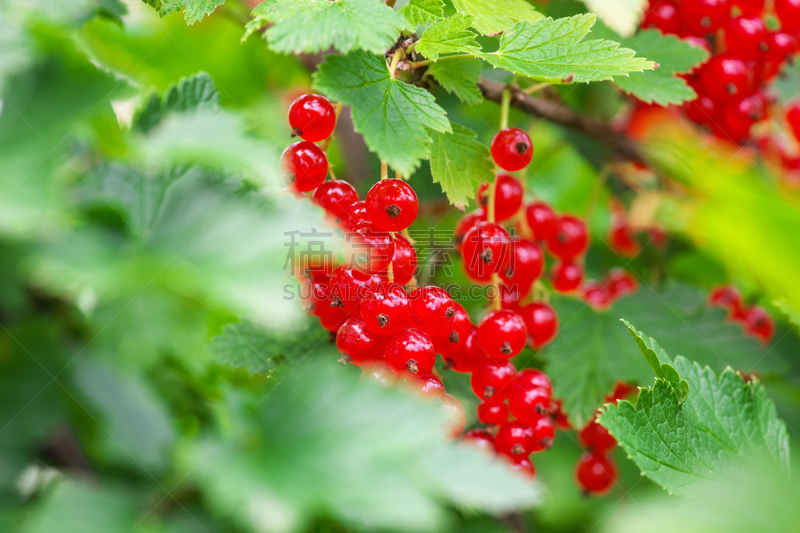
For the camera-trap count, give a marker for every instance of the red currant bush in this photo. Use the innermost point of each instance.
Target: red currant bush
(304, 166)
(312, 117)
(512, 149)
(392, 204)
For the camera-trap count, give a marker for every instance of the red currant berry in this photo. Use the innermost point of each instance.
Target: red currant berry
(493, 411)
(357, 343)
(596, 438)
(404, 262)
(428, 387)
(355, 214)
(664, 17)
(788, 12)
(507, 197)
(493, 378)
(596, 294)
(333, 319)
(620, 392)
(466, 223)
(566, 277)
(544, 433)
(541, 321)
(485, 248)
(542, 220)
(348, 287)
(746, 37)
(726, 78)
(570, 238)
(740, 116)
(304, 166)
(781, 46)
(469, 358)
(410, 353)
(456, 414)
(524, 466)
(455, 339)
(335, 196)
(512, 149)
(533, 378)
(392, 204)
(525, 265)
(480, 438)
(385, 309)
(368, 248)
(620, 236)
(792, 117)
(312, 117)
(704, 16)
(315, 298)
(759, 324)
(502, 334)
(515, 439)
(433, 310)
(560, 418)
(379, 371)
(728, 298)
(529, 404)
(703, 110)
(595, 474)
(619, 283)
(750, 8)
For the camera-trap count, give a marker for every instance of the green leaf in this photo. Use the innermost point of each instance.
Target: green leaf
(725, 421)
(789, 310)
(494, 17)
(653, 354)
(592, 351)
(195, 10)
(316, 25)
(393, 468)
(555, 50)
(459, 77)
(423, 12)
(193, 92)
(448, 36)
(459, 163)
(394, 117)
(258, 349)
(622, 16)
(662, 85)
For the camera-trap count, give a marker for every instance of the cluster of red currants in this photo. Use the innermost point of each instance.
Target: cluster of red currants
(755, 320)
(596, 472)
(746, 56)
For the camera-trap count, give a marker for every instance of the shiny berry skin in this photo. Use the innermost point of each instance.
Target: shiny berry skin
(428, 387)
(530, 404)
(335, 196)
(493, 411)
(385, 309)
(433, 310)
(348, 287)
(544, 433)
(792, 117)
(702, 110)
(379, 371)
(404, 262)
(788, 12)
(560, 418)
(728, 298)
(746, 37)
(781, 46)
(595, 474)
(620, 392)
(315, 298)
(726, 78)
(312, 117)
(454, 339)
(392, 204)
(367, 248)
(524, 466)
(704, 16)
(512, 149)
(333, 319)
(507, 197)
(619, 283)
(570, 239)
(357, 343)
(466, 223)
(596, 438)
(620, 236)
(303, 166)
(515, 439)
(759, 324)
(493, 378)
(596, 294)
(485, 248)
(533, 378)
(480, 438)
(750, 8)
(541, 321)
(469, 358)
(502, 334)
(355, 214)
(456, 414)
(664, 17)
(740, 116)
(410, 353)
(525, 265)
(541, 220)
(566, 277)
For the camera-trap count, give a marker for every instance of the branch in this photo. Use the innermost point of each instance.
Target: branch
(561, 114)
